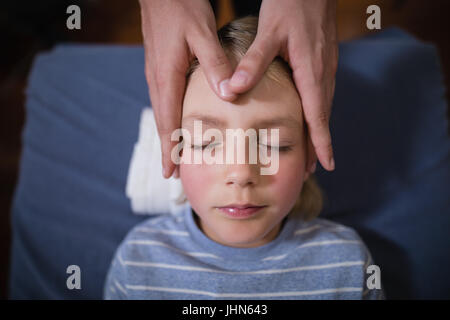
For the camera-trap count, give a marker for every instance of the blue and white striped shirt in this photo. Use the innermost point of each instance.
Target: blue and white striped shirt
(169, 257)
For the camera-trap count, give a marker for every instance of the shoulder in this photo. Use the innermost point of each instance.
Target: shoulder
(159, 232)
(340, 252)
(161, 226)
(320, 228)
(322, 233)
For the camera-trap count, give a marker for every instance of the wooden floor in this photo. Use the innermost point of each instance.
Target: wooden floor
(31, 30)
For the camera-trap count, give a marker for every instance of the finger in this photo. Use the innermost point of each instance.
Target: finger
(153, 88)
(215, 65)
(312, 157)
(150, 74)
(317, 117)
(253, 65)
(177, 172)
(171, 84)
(151, 83)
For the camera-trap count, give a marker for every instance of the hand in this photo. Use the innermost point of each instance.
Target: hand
(175, 32)
(303, 33)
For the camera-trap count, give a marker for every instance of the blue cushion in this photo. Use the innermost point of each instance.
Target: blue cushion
(392, 150)
(82, 118)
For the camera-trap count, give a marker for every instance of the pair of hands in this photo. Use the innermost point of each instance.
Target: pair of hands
(302, 32)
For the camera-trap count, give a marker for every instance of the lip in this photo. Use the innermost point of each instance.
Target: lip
(240, 211)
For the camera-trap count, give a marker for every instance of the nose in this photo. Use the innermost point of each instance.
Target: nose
(242, 175)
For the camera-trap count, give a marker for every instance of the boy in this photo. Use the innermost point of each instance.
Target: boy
(243, 235)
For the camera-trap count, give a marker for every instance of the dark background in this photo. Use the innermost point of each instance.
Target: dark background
(29, 27)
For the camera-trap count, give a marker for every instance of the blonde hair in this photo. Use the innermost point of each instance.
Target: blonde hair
(236, 37)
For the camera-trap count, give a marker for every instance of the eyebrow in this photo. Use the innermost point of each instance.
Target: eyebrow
(265, 123)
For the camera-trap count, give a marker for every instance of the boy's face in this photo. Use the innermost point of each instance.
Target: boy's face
(211, 186)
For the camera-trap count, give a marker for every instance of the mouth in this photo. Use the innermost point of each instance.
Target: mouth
(240, 211)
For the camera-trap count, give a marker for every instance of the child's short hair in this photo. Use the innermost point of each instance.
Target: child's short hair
(236, 37)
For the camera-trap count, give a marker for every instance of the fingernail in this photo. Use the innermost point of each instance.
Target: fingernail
(240, 78)
(164, 172)
(224, 89)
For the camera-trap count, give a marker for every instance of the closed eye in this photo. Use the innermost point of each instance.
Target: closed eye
(212, 145)
(280, 148)
(203, 147)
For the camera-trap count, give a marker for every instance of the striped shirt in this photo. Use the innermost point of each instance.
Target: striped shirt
(169, 257)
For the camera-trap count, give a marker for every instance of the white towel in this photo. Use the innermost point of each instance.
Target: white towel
(149, 191)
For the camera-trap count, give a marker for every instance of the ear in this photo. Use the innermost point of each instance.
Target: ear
(311, 157)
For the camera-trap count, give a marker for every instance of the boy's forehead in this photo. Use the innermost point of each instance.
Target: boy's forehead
(267, 99)
(262, 122)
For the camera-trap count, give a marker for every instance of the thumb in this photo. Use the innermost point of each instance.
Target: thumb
(215, 65)
(254, 64)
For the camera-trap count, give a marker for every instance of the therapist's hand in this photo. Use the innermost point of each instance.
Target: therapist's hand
(303, 32)
(175, 32)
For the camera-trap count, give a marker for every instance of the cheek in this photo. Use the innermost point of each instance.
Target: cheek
(196, 180)
(287, 183)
